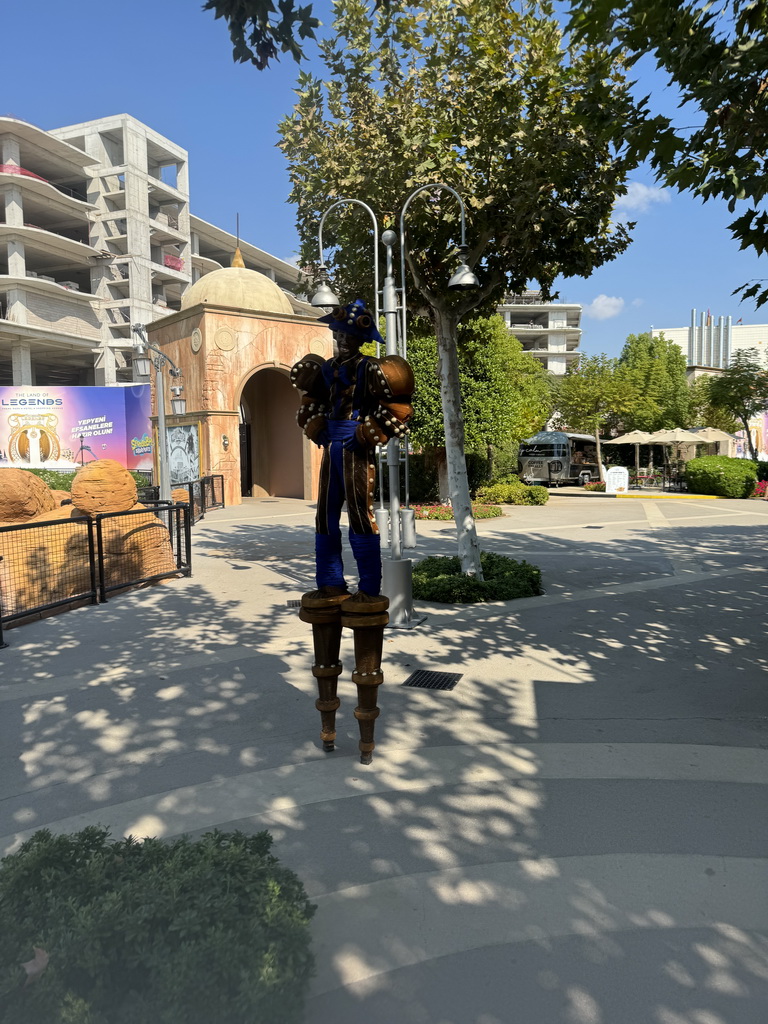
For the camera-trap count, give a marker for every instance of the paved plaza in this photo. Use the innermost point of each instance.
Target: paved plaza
(576, 834)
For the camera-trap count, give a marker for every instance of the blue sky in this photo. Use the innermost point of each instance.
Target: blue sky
(169, 64)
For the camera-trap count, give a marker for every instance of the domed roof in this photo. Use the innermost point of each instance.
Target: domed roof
(238, 288)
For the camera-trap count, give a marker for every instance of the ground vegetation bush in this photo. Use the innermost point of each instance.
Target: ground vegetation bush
(61, 480)
(596, 486)
(718, 474)
(177, 932)
(445, 512)
(439, 578)
(510, 490)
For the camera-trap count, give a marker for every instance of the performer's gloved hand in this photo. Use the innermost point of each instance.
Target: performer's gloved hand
(323, 439)
(351, 444)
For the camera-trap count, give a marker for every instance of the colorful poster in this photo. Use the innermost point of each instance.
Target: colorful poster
(65, 427)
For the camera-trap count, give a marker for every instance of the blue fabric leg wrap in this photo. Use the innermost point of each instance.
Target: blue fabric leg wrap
(328, 564)
(367, 551)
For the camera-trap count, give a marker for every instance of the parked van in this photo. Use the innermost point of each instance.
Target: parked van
(554, 457)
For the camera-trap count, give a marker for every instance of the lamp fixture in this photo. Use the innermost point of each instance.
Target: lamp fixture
(464, 279)
(178, 404)
(324, 296)
(224, 442)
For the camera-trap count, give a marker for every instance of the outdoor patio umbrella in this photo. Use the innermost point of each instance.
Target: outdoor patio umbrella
(712, 435)
(677, 435)
(635, 437)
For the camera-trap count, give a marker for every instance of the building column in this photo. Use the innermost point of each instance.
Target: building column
(21, 361)
(17, 263)
(14, 206)
(104, 367)
(9, 151)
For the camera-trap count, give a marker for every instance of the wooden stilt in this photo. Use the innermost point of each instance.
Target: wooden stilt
(324, 614)
(367, 619)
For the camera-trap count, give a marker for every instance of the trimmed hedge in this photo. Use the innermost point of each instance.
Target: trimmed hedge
(177, 932)
(510, 490)
(439, 578)
(717, 474)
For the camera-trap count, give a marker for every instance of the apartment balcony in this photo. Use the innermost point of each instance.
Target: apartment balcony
(50, 247)
(164, 230)
(171, 269)
(47, 284)
(57, 199)
(205, 263)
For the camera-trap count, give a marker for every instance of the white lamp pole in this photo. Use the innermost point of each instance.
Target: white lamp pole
(141, 361)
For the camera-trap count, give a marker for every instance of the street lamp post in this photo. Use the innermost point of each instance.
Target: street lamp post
(142, 363)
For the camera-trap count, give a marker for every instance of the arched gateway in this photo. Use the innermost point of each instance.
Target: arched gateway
(235, 339)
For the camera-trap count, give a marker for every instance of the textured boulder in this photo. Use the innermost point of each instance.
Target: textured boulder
(23, 496)
(44, 565)
(135, 547)
(60, 496)
(103, 486)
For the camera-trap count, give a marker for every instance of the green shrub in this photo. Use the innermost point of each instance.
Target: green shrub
(445, 512)
(717, 474)
(61, 480)
(178, 932)
(439, 578)
(510, 490)
(597, 485)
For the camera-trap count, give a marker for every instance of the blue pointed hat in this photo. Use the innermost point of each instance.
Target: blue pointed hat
(355, 319)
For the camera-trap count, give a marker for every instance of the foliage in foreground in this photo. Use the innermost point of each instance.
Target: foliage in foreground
(510, 490)
(596, 486)
(445, 512)
(439, 578)
(717, 474)
(175, 932)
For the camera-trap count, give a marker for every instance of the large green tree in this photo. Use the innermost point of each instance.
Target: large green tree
(658, 366)
(742, 390)
(489, 99)
(506, 393)
(716, 55)
(593, 391)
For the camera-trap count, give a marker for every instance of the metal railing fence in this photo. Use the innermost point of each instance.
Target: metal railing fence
(203, 494)
(65, 562)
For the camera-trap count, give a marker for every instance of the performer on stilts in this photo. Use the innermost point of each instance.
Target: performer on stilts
(351, 404)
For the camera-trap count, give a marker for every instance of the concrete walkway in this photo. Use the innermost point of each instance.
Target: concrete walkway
(576, 834)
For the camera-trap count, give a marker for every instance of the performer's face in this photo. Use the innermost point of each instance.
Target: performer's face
(347, 345)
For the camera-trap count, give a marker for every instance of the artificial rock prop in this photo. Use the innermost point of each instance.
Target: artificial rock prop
(23, 496)
(42, 566)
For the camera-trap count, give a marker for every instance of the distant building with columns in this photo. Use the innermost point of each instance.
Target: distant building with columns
(710, 343)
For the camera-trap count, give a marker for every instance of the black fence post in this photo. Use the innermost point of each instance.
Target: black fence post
(92, 563)
(2, 642)
(100, 556)
(188, 539)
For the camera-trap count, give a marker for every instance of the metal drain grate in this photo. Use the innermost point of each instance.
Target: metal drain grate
(423, 680)
(294, 604)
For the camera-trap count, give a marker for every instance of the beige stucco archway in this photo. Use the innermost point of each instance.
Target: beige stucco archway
(236, 338)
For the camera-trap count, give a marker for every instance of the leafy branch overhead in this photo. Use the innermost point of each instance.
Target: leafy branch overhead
(717, 57)
(259, 31)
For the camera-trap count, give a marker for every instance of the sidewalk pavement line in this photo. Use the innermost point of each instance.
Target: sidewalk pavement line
(366, 931)
(497, 765)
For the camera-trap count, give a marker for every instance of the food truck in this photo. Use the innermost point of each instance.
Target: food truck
(554, 457)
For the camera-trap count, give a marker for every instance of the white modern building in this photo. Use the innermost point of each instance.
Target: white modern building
(550, 331)
(710, 343)
(96, 234)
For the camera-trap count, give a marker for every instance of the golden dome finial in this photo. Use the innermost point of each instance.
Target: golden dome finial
(237, 259)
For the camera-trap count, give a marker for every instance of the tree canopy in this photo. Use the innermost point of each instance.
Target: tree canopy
(717, 56)
(258, 30)
(658, 368)
(506, 393)
(741, 389)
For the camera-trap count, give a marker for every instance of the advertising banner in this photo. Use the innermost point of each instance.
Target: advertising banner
(66, 427)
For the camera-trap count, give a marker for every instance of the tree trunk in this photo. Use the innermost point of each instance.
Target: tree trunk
(750, 444)
(453, 423)
(600, 476)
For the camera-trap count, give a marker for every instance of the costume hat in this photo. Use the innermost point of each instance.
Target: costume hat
(353, 319)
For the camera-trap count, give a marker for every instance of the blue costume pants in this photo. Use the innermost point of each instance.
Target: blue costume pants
(351, 476)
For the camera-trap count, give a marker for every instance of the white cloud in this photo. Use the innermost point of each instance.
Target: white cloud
(604, 307)
(637, 302)
(640, 198)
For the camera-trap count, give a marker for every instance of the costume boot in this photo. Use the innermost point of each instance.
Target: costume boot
(366, 616)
